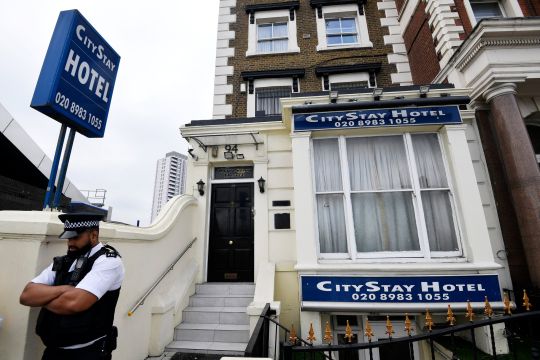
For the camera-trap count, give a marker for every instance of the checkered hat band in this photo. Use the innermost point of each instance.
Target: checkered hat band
(80, 224)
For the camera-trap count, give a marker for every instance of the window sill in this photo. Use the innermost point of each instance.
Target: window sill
(420, 265)
(291, 51)
(364, 45)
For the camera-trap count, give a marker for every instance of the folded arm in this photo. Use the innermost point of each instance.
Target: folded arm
(72, 301)
(41, 294)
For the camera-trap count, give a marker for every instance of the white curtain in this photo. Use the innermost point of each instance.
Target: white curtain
(378, 163)
(327, 165)
(436, 203)
(330, 211)
(331, 216)
(383, 221)
(267, 99)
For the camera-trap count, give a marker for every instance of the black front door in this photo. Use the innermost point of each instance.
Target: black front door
(230, 253)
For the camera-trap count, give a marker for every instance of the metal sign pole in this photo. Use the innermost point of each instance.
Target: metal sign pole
(63, 169)
(54, 169)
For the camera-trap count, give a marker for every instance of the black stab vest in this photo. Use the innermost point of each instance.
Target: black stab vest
(65, 330)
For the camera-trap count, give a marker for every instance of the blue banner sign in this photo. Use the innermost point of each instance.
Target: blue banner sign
(76, 82)
(402, 289)
(431, 115)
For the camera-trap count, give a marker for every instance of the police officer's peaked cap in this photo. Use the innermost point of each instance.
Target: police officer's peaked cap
(75, 223)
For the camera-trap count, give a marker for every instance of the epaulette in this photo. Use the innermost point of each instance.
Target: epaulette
(110, 251)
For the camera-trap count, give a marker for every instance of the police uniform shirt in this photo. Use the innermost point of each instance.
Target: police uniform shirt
(107, 273)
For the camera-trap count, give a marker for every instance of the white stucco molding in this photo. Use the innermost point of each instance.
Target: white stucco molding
(498, 90)
(45, 224)
(498, 51)
(398, 56)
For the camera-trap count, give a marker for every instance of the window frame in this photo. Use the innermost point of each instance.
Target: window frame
(272, 38)
(497, 2)
(267, 17)
(266, 82)
(342, 11)
(269, 87)
(349, 77)
(424, 253)
(342, 33)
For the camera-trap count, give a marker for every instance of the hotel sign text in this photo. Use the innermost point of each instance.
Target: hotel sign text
(77, 79)
(402, 289)
(431, 115)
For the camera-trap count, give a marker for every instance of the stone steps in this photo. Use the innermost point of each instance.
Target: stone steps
(215, 322)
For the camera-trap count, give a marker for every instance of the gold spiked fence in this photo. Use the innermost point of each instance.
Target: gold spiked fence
(471, 319)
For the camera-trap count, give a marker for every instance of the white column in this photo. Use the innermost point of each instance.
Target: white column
(467, 196)
(306, 253)
(260, 207)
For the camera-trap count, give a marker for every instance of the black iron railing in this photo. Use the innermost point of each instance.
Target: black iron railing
(259, 340)
(520, 330)
(311, 352)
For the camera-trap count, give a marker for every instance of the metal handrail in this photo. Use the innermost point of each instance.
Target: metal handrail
(156, 283)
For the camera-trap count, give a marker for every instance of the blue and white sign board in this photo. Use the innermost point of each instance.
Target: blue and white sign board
(395, 290)
(77, 79)
(431, 115)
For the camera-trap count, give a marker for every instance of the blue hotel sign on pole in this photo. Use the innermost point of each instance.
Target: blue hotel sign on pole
(430, 115)
(77, 79)
(400, 289)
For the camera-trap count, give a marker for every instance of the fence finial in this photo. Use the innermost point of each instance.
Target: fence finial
(450, 316)
(408, 325)
(369, 331)
(429, 320)
(526, 303)
(470, 312)
(328, 334)
(348, 332)
(488, 310)
(389, 327)
(293, 338)
(311, 334)
(507, 305)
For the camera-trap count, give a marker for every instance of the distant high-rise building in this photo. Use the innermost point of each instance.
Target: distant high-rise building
(170, 180)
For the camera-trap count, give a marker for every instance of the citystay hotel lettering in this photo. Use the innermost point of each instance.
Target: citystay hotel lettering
(401, 289)
(378, 118)
(76, 82)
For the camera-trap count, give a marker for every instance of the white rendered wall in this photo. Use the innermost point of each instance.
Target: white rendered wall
(29, 241)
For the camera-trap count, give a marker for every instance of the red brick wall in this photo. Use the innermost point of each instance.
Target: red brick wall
(463, 17)
(420, 47)
(530, 7)
(399, 5)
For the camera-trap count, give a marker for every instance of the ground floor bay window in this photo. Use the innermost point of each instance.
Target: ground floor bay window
(383, 196)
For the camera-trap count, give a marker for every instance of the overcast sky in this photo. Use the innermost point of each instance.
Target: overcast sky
(165, 79)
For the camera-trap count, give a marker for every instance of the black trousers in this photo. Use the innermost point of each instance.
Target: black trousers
(93, 352)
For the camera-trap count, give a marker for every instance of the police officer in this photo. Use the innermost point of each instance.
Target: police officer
(78, 294)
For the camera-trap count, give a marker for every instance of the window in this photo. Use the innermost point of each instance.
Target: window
(272, 37)
(342, 26)
(267, 99)
(385, 195)
(349, 85)
(485, 9)
(341, 31)
(264, 91)
(272, 31)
